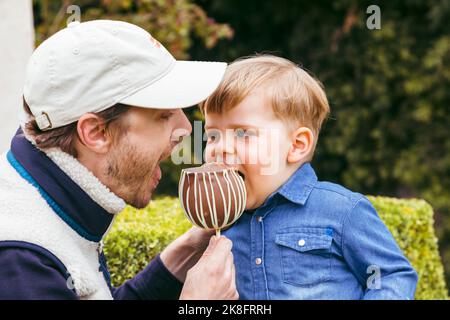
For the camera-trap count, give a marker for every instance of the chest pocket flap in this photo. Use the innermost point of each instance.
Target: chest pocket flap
(305, 239)
(305, 254)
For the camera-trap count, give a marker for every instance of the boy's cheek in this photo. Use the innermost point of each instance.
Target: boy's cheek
(251, 152)
(257, 161)
(209, 156)
(245, 154)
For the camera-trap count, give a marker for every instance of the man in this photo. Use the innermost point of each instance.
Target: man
(103, 106)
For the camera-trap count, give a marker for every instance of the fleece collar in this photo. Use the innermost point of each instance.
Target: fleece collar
(74, 193)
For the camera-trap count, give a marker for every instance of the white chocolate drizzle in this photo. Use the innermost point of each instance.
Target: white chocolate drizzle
(233, 192)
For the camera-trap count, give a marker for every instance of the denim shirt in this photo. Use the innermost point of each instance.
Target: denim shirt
(317, 240)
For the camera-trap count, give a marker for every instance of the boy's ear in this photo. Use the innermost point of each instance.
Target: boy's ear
(301, 145)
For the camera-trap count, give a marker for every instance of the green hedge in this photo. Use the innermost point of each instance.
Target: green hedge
(138, 235)
(411, 223)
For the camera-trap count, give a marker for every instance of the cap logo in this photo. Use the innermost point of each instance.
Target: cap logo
(155, 42)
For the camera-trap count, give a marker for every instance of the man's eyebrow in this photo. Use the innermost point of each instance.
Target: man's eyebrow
(159, 112)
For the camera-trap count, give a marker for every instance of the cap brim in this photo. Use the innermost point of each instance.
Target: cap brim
(187, 84)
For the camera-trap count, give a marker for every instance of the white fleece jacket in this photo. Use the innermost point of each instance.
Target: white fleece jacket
(26, 216)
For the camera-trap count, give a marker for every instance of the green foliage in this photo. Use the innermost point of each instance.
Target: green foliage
(388, 89)
(138, 235)
(173, 22)
(388, 133)
(411, 223)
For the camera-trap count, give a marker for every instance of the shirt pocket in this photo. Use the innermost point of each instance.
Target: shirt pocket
(305, 255)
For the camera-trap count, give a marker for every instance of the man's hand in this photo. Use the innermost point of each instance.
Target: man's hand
(213, 277)
(183, 253)
(198, 238)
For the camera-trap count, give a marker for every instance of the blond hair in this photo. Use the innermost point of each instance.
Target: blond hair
(295, 95)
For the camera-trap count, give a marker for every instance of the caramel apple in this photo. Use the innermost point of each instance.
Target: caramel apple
(213, 196)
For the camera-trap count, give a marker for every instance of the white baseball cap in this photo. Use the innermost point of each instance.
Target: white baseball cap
(91, 66)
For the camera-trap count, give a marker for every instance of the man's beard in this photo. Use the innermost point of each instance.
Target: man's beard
(130, 173)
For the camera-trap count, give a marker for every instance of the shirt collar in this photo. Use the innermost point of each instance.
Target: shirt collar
(299, 186)
(90, 205)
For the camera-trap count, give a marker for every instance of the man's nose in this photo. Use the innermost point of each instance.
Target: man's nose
(182, 126)
(184, 123)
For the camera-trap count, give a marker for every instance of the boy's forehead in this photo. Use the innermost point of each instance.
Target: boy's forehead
(217, 123)
(251, 111)
(227, 120)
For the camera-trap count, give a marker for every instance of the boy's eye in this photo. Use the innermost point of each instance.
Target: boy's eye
(243, 133)
(212, 136)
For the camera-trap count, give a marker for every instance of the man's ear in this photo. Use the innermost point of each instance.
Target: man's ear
(301, 146)
(92, 133)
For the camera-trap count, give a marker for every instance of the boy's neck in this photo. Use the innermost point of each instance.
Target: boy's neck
(285, 176)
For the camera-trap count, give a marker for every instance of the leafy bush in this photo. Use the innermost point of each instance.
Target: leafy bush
(174, 23)
(411, 223)
(138, 235)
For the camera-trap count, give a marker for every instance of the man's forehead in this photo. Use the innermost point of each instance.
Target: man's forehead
(152, 111)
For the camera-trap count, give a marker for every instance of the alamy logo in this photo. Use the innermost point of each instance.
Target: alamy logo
(75, 14)
(69, 282)
(374, 20)
(374, 280)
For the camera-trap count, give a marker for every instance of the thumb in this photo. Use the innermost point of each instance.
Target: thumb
(211, 246)
(220, 252)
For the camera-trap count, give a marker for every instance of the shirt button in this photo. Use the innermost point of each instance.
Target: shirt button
(301, 242)
(258, 261)
(259, 219)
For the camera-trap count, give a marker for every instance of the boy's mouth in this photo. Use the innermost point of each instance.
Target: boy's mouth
(239, 172)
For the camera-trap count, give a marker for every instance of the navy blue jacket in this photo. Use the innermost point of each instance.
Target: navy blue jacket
(28, 271)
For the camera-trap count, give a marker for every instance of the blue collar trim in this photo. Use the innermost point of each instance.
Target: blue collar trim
(56, 208)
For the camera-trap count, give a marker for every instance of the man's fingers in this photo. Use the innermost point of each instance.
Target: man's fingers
(209, 250)
(228, 266)
(229, 262)
(216, 268)
(219, 245)
(219, 252)
(232, 271)
(222, 247)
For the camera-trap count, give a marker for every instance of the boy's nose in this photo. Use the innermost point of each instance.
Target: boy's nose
(224, 151)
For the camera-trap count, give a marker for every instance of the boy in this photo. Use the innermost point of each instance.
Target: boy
(299, 238)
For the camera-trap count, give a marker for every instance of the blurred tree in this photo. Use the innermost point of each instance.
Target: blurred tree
(173, 22)
(389, 89)
(388, 132)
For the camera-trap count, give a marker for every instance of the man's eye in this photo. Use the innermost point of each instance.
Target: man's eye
(166, 115)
